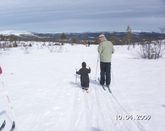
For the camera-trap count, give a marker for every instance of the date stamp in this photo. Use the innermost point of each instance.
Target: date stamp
(133, 117)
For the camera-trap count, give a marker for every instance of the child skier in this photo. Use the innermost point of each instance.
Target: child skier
(84, 78)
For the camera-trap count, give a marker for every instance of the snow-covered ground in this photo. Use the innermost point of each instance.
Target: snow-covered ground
(14, 32)
(45, 96)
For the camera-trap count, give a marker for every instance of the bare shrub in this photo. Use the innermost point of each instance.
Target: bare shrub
(151, 49)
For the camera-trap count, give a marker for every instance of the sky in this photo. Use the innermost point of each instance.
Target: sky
(82, 15)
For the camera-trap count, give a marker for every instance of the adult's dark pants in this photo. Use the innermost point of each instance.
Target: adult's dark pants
(105, 73)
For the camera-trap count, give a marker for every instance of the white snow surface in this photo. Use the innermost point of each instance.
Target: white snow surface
(45, 96)
(15, 32)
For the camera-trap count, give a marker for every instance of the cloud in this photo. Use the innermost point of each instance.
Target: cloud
(65, 15)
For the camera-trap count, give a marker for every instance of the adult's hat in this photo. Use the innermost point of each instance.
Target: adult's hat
(101, 35)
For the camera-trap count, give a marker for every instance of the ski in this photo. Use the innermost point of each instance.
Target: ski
(3, 125)
(13, 126)
(103, 87)
(109, 90)
(85, 90)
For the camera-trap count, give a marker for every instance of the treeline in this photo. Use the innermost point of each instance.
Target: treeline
(118, 38)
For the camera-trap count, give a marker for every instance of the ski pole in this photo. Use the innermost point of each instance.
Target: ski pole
(96, 68)
(76, 76)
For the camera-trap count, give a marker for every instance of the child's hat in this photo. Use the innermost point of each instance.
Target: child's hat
(83, 64)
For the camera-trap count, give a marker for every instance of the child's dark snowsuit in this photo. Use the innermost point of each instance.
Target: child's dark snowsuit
(83, 72)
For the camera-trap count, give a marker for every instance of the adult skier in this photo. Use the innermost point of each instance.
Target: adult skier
(105, 50)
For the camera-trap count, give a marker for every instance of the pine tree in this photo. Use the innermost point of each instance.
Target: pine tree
(62, 38)
(113, 38)
(129, 36)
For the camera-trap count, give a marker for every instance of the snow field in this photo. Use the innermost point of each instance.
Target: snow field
(46, 97)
